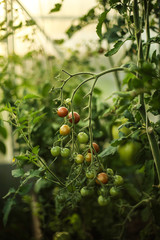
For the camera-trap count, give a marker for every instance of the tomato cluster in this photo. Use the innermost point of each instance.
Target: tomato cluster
(86, 163)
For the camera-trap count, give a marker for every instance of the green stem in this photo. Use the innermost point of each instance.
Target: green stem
(150, 134)
(146, 7)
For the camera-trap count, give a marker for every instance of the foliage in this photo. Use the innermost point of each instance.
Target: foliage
(74, 201)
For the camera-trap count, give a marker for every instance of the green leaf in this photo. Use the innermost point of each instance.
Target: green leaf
(108, 151)
(117, 46)
(35, 150)
(30, 96)
(21, 157)
(149, 175)
(2, 147)
(17, 172)
(56, 8)
(100, 23)
(7, 209)
(115, 49)
(30, 22)
(11, 190)
(24, 189)
(3, 132)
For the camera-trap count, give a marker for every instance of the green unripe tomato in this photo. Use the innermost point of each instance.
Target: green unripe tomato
(55, 151)
(85, 192)
(128, 152)
(110, 171)
(79, 159)
(102, 201)
(65, 152)
(118, 180)
(114, 192)
(82, 137)
(90, 174)
(115, 131)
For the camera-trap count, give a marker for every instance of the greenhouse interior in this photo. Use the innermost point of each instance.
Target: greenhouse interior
(80, 120)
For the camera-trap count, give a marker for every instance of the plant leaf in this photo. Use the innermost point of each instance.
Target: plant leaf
(108, 151)
(100, 23)
(7, 209)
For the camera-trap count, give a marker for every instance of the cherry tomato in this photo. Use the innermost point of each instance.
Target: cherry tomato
(114, 192)
(65, 152)
(102, 201)
(90, 174)
(115, 128)
(55, 151)
(110, 171)
(76, 117)
(102, 177)
(85, 191)
(96, 147)
(88, 157)
(62, 112)
(82, 137)
(79, 158)
(118, 180)
(64, 130)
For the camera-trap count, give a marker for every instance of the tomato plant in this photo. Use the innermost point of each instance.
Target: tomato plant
(120, 135)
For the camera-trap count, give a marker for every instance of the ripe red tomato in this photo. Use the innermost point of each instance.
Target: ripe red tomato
(96, 147)
(62, 112)
(102, 177)
(88, 157)
(76, 117)
(64, 130)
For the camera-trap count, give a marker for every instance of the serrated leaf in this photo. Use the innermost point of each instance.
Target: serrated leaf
(7, 209)
(116, 47)
(17, 172)
(100, 23)
(108, 151)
